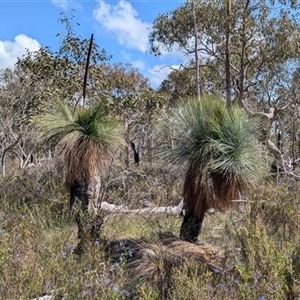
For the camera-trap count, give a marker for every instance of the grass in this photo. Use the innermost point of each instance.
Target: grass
(252, 254)
(142, 226)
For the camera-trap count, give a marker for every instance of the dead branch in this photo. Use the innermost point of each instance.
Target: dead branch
(169, 210)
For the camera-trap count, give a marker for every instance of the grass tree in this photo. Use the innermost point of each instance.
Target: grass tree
(84, 139)
(219, 148)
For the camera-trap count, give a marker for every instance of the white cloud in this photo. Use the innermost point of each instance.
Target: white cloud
(10, 51)
(66, 4)
(125, 55)
(61, 3)
(159, 73)
(138, 64)
(122, 21)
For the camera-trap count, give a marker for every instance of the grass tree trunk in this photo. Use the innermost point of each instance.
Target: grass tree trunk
(191, 227)
(195, 205)
(89, 224)
(79, 191)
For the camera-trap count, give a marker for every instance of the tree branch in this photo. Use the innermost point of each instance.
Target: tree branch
(169, 210)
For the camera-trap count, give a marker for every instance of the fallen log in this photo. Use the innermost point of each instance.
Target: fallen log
(170, 210)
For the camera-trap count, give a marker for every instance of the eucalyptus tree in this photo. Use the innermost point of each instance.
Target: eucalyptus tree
(127, 94)
(62, 72)
(257, 40)
(16, 108)
(181, 83)
(263, 41)
(220, 151)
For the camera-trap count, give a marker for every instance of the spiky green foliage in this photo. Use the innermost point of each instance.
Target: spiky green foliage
(84, 139)
(220, 149)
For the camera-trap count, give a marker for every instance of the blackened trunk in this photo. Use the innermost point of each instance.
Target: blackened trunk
(190, 227)
(79, 191)
(135, 153)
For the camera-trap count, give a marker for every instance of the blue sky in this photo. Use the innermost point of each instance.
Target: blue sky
(120, 27)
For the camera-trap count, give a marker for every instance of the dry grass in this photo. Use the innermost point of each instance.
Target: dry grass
(153, 260)
(252, 254)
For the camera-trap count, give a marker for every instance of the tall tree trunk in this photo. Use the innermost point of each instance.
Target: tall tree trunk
(293, 143)
(197, 83)
(87, 68)
(243, 54)
(227, 53)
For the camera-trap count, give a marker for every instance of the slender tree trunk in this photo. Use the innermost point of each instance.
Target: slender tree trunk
(227, 53)
(87, 68)
(293, 143)
(243, 54)
(197, 83)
